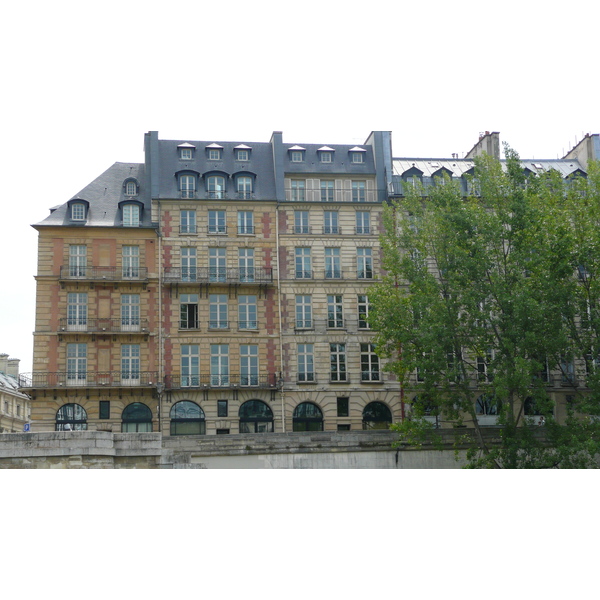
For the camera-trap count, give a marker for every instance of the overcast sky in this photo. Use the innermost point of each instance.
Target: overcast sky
(83, 82)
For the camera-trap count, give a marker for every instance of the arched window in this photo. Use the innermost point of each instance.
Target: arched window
(376, 415)
(486, 405)
(131, 188)
(71, 417)
(244, 186)
(256, 417)
(215, 186)
(136, 417)
(426, 409)
(307, 417)
(187, 418)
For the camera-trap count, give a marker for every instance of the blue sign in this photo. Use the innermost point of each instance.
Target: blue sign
(26, 427)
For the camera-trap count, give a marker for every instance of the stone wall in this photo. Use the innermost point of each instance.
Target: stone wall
(323, 450)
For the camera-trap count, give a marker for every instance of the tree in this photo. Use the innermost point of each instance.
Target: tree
(490, 309)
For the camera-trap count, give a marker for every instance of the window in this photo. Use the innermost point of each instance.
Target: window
(343, 427)
(364, 260)
(343, 406)
(363, 311)
(77, 261)
(216, 221)
(190, 365)
(218, 311)
(358, 191)
(104, 409)
(77, 304)
(303, 312)
(363, 222)
(78, 211)
(242, 155)
(327, 191)
(187, 186)
(130, 312)
(136, 418)
(215, 186)
(337, 362)
(187, 221)
(214, 154)
(298, 190)
(246, 264)
(335, 315)
(333, 268)
(256, 417)
(188, 311)
(306, 369)
(331, 222)
(357, 157)
(245, 222)
(185, 153)
(297, 156)
(244, 187)
(76, 364)
(130, 364)
(216, 265)
(487, 405)
(222, 431)
(219, 364)
(131, 262)
(247, 312)
(131, 188)
(71, 417)
(301, 221)
(376, 415)
(187, 418)
(248, 364)
(326, 157)
(369, 363)
(567, 368)
(303, 263)
(188, 264)
(307, 417)
(222, 408)
(483, 366)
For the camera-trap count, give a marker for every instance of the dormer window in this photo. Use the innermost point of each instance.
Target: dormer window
(325, 154)
(131, 188)
(131, 215)
(242, 152)
(214, 152)
(78, 211)
(187, 186)
(357, 155)
(186, 151)
(297, 154)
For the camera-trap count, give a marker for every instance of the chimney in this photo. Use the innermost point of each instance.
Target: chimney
(4, 363)
(13, 367)
(489, 142)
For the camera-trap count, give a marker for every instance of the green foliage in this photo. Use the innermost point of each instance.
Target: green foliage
(487, 295)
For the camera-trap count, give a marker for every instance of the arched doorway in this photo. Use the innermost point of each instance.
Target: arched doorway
(71, 417)
(187, 418)
(376, 415)
(307, 417)
(136, 418)
(256, 417)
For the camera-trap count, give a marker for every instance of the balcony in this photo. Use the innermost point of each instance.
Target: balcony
(176, 382)
(210, 275)
(88, 379)
(335, 194)
(100, 326)
(102, 274)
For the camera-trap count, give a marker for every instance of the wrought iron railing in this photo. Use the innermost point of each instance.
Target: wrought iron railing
(244, 275)
(221, 381)
(84, 325)
(84, 273)
(88, 379)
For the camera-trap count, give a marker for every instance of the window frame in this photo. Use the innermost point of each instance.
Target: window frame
(370, 369)
(338, 371)
(306, 363)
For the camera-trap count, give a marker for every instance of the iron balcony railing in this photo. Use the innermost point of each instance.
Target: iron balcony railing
(217, 195)
(81, 273)
(243, 275)
(333, 273)
(88, 379)
(335, 194)
(321, 325)
(175, 382)
(83, 325)
(358, 230)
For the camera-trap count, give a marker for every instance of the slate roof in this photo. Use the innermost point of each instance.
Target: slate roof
(104, 195)
(459, 167)
(10, 384)
(260, 164)
(341, 161)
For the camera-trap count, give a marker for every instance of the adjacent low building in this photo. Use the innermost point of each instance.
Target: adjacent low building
(15, 406)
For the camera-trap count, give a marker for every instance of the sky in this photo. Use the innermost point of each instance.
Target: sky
(83, 82)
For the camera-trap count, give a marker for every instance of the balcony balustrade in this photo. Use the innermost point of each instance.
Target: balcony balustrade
(238, 276)
(88, 379)
(84, 273)
(83, 325)
(175, 382)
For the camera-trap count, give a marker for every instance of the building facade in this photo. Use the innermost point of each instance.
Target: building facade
(14, 405)
(223, 288)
